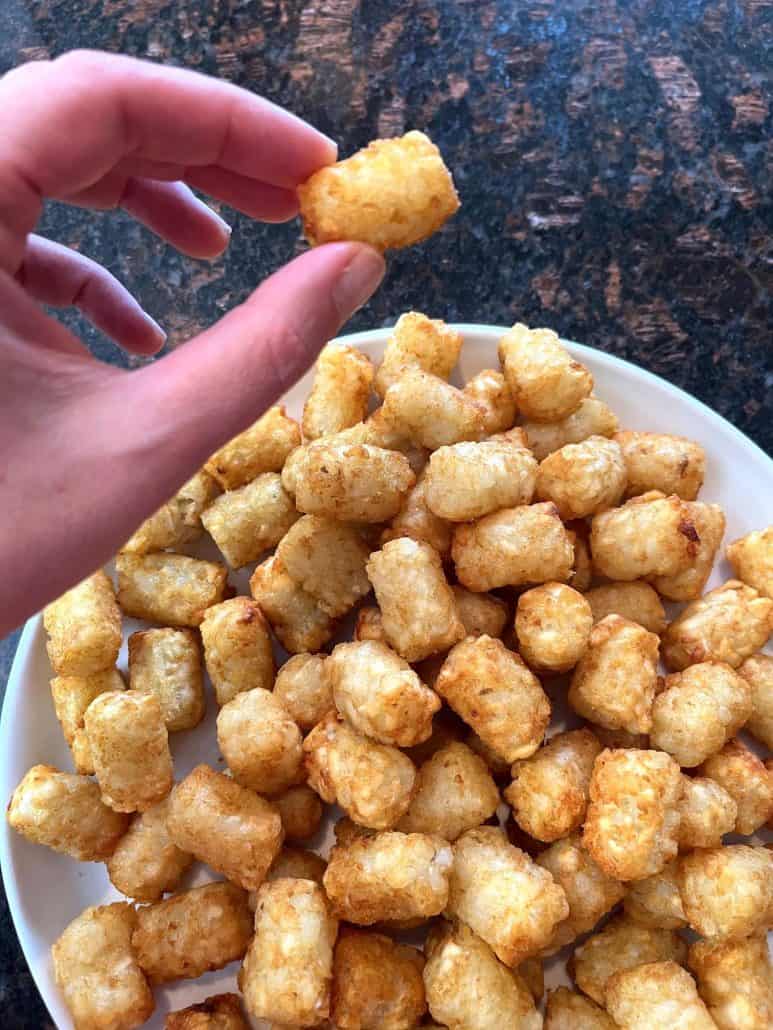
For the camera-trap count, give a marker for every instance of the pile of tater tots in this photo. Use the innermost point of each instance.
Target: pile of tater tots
(441, 570)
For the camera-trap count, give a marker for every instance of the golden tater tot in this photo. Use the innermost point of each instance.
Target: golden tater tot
(659, 461)
(303, 690)
(295, 617)
(172, 589)
(339, 395)
(146, 863)
(251, 519)
(513, 547)
(636, 601)
(553, 624)
(700, 709)
(84, 628)
(327, 560)
(481, 614)
(468, 480)
(752, 559)
(220, 1012)
(416, 521)
(263, 447)
(735, 979)
(237, 648)
(727, 892)
(490, 391)
(582, 479)
(430, 411)
(372, 783)
(179, 520)
(569, 1011)
(295, 864)
(592, 418)
(300, 810)
(261, 744)
(377, 984)
(656, 901)
(225, 825)
(709, 522)
(97, 971)
(656, 994)
(758, 673)
(707, 813)
(746, 780)
(72, 695)
(549, 792)
(130, 749)
(418, 342)
(546, 382)
(614, 682)
(167, 663)
(633, 817)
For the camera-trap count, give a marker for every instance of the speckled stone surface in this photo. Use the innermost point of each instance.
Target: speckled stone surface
(614, 161)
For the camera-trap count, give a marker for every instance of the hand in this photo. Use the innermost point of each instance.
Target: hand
(88, 450)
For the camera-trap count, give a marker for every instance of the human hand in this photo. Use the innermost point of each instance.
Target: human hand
(89, 450)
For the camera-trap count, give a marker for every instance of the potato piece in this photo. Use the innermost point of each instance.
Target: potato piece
(592, 418)
(659, 461)
(546, 382)
(130, 748)
(295, 864)
(746, 780)
(263, 447)
(300, 811)
(656, 901)
(389, 876)
(481, 614)
(549, 792)
(469, 988)
(220, 1012)
(569, 1011)
(327, 560)
(418, 342)
(728, 624)
(339, 394)
(490, 391)
(752, 559)
(371, 782)
(468, 480)
(584, 478)
(649, 535)
(295, 617)
(553, 624)
(97, 972)
(709, 522)
(758, 673)
(633, 817)
(636, 601)
(727, 892)
(377, 984)
(700, 709)
(614, 682)
(146, 863)
(260, 742)
(656, 994)
(178, 521)
(304, 690)
(707, 813)
(84, 628)
(225, 825)
(416, 521)
(430, 411)
(237, 648)
(72, 695)
(735, 979)
(251, 519)
(392, 194)
(167, 663)
(169, 588)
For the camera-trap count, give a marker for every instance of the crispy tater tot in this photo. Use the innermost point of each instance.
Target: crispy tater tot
(656, 994)
(592, 418)
(372, 783)
(707, 813)
(146, 863)
(179, 520)
(377, 984)
(656, 901)
(417, 521)
(84, 628)
(97, 971)
(727, 892)
(303, 690)
(735, 979)
(225, 825)
(468, 480)
(728, 624)
(468, 988)
(261, 744)
(172, 589)
(700, 709)
(659, 461)
(237, 648)
(582, 479)
(295, 864)
(220, 1012)
(300, 810)
(636, 601)
(752, 559)
(549, 792)
(417, 605)
(481, 614)
(339, 394)
(167, 663)
(758, 673)
(546, 382)
(418, 342)
(553, 624)
(72, 695)
(744, 776)
(567, 1010)
(633, 816)
(295, 617)
(430, 411)
(327, 560)
(709, 522)
(490, 391)
(614, 682)
(192, 932)
(251, 519)
(130, 749)
(513, 547)
(263, 447)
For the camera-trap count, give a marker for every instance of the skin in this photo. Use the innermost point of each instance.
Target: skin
(104, 131)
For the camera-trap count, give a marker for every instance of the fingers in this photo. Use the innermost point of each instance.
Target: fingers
(173, 212)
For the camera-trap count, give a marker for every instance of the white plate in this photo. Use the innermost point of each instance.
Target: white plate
(45, 890)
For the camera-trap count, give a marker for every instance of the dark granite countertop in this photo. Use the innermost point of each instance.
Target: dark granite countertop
(614, 159)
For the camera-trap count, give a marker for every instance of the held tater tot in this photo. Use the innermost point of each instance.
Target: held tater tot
(372, 783)
(169, 588)
(490, 391)
(220, 1012)
(633, 817)
(417, 605)
(417, 521)
(295, 864)
(468, 480)
(481, 614)
(339, 396)
(727, 892)
(758, 673)
(614, 682)
(752, 559)
(636, 601)
(327, 560)
(225, 825)
(237, 648)
(260, 742)
(251, 519)
(707, 813)
(130, 748)
(709, 522)
(430, 411)
(649, 535)
(377, 984)
(699, 711)
(582, 479)
(167, 663)
(295, 617)
(179, 520)
(546, 382)
(549, 792)
(657, 994)
(656, 901)
(659, 461)
(735, 979)
(97, 971)
(146, 863)
(418, 342)
(84, 628)
(553, 624)
(72, 695)
(592, 418)
(303, 690)
(300, 811)
(746, 780)
(569, 1011)
(263, 447)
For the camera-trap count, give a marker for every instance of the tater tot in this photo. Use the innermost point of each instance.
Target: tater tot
(430, 411)
(377, 984)
(481, 614)
(416, 521)
(220, 1012)
(513, 547)
(417, 605)
(752, 559)
(251, 519)
(582, 479)
(649, 535)
(735, 979)
(237, 648)
(97, 971)
(167, 663)
(389, 876)
(633, 817)
(553, 624)
(261, 744)
(546, 382)
(418, 342)
(656, 901)
(636, 601)
(614, 682)
(130, 748)
(709, 522)
(263, 447)
(146, 863)
(372, 783)
(746, 780)
(656, 994)
(728, 624)
(172, 589)
(72, 695)
(592, 418)
(300, 810)
(468, 988)
(295, 864)
(758, 673)
(339, 394)
(327, 560)
(569, 1011)
(659, 461)
(490, 391)
(303, 690)
(707, 813)
(392, 194)
(84, 628)
(225, 825)
(64, 811)
(178, 521)
(468, 480)
(727, 892)
(549, 792)
(295, 617)
(582, 571)
(700, 709)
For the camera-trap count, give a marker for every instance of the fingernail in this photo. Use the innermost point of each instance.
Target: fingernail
(358, 282)
(158, 331)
